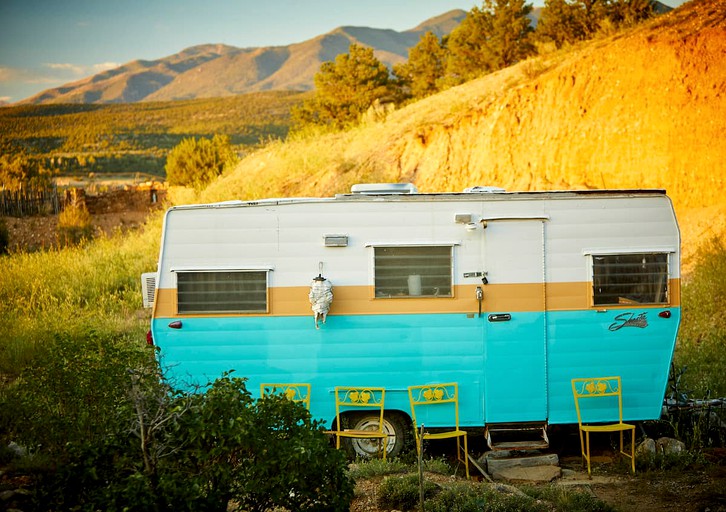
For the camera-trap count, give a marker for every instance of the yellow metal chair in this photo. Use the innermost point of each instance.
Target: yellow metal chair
(596, 400)
(431, 396)
(360, 397)
(297, 392)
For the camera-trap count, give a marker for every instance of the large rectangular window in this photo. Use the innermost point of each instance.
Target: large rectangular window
(222, 292)
(630, 279)
(420, 271)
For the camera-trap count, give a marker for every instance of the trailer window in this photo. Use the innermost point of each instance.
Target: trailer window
(412, 271)
(222, 292)
(630, 279)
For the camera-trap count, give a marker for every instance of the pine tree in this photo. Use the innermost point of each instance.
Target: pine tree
(425, 68)
(346, 88)
(492, 37)
(561, 23)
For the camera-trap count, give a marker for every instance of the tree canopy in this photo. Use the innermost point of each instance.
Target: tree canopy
(425, 67)
(346, 88)
(492, 37)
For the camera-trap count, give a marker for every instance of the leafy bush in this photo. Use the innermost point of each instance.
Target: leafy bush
(74, 225)
(197, 162)
(371, 468)
(568, 500)
(402, 492)
(71, 392)
(165, 449)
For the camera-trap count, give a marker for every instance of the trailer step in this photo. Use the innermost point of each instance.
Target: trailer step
(517, 436)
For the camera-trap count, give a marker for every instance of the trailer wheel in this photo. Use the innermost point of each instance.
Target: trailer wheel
(396, 425)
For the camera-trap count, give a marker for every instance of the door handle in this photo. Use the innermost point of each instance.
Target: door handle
(500, 317)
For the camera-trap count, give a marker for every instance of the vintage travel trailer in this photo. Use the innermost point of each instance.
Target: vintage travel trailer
(510, 294)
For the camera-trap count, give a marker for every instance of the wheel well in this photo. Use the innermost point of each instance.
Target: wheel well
(387, 413)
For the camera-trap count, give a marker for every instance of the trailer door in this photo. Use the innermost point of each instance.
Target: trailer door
(515, 360)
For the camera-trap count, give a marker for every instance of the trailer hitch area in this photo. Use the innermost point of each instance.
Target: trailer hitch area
(479, 297)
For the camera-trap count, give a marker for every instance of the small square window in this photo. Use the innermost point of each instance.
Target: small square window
(222, 292)
(619, 279)
(421, 271)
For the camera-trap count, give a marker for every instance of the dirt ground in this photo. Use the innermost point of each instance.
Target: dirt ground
(700, 489)
(119, 210)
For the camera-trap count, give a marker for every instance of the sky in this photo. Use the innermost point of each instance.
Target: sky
(48, 43)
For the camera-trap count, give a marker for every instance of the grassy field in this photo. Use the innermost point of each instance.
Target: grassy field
(135, 137)
(73, 291)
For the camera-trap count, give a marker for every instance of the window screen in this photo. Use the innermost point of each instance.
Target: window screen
(630, 278)
(412, 271)
(222, 292)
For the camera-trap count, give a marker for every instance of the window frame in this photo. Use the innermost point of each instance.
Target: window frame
(246, 270)
(593, 298)
(385, 245)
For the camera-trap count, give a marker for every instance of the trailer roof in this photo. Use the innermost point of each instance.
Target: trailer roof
(488, 195)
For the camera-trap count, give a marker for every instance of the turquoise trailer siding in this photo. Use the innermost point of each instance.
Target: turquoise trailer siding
(506, 371)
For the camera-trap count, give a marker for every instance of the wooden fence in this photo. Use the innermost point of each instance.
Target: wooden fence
(22, 203)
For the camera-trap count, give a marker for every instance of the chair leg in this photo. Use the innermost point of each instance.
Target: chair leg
(632, 450)
(587, 444)
(466, 456)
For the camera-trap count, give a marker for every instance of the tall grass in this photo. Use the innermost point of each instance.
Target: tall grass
(73, 290)
(702, 339)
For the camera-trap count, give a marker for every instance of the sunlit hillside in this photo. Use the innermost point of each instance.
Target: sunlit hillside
(641, 109)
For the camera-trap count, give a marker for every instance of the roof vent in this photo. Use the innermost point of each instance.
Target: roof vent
(384, 188)
(487, 190)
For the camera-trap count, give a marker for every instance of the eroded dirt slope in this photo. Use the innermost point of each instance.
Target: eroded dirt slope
(642, 109)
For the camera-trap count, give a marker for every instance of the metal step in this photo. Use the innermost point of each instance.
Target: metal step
(517, 436)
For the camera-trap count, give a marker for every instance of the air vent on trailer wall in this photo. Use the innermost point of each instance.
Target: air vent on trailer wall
(148, 288)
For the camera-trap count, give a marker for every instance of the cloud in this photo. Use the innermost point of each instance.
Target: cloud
(63, 68)
(104, 66)
(24, 82)
(11, 74)
(53, 72)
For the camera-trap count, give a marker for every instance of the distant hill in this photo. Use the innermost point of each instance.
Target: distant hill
(208, 71)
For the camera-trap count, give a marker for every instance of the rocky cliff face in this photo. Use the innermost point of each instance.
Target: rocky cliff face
(646, 109)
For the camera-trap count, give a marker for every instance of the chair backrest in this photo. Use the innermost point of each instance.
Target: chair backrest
(597, 399)
(359, 397)
(428, 395)
(297, 392)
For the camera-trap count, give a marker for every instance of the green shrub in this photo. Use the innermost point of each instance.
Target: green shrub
(568, 500)
(74, 225)
(402, 492)
(376, 467)
(197, 162)
(71, 392)
(702, 334)
(198, 451)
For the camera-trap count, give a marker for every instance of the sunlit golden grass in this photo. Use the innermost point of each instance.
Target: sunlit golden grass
(92, 287)
(702, 338)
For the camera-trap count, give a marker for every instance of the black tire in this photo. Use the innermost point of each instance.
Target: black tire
(396, 425)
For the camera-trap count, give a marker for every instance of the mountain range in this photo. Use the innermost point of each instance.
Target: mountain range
(217, 70)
